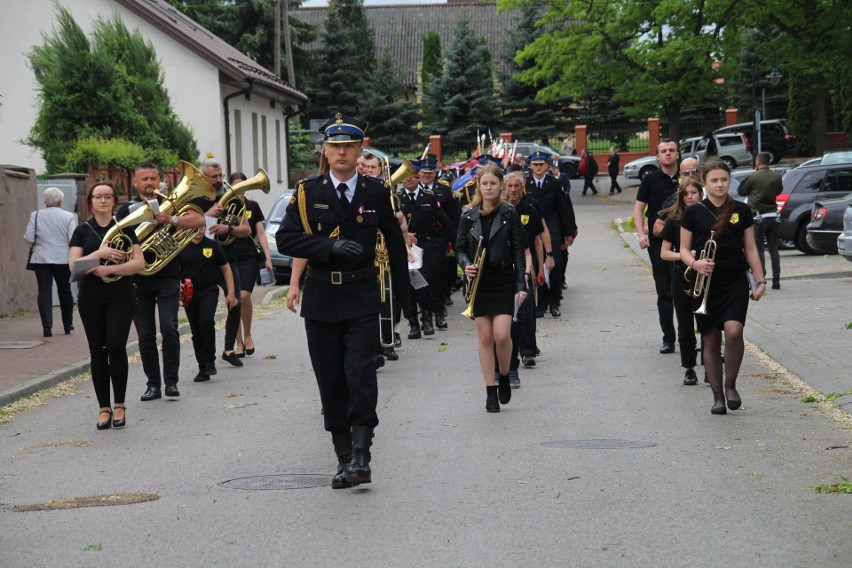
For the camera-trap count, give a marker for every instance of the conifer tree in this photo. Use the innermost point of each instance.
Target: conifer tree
(391, 118)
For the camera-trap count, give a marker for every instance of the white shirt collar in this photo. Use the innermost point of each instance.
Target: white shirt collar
(350, 184)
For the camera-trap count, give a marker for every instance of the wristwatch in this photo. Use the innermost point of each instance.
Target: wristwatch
(174, 220)
(549, 253)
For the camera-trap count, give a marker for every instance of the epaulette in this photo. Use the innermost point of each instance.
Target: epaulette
(315, 176)
(444, 182)
(427, 191)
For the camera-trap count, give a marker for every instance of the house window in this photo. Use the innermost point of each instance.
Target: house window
(238, 139)
(264, 142)
(278, 149)
(255, 147)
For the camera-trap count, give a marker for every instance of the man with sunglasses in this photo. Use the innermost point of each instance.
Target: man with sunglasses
(657, 187)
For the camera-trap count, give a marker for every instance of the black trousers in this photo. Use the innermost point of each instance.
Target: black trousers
(685, 318)
(525, 344)
(589, 183)
(163, 295)
(434, 270)
(232, 323)
(613, 183)
(46, 274)
(201, 313)
(342, 354)
(107, 325)
(550, 295)
(663, 284)
(767, 230)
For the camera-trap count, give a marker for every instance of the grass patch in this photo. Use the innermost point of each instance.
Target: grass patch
(844, 486)
(629, 225)
(40, 398)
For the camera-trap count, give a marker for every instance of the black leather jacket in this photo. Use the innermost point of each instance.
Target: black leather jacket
(505, 245)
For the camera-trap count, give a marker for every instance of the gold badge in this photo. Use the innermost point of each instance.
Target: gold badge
(735, 218)
(359, 218)
(292, 199)
(207, 252)
(525, 219)
(248, 214)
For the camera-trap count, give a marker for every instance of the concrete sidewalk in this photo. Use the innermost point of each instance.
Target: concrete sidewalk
(30, 362)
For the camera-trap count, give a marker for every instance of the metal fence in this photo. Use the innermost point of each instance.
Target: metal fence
(624, 136)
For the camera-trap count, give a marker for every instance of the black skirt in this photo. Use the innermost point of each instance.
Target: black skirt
(495, 294)
(249, 271)
(728, 301)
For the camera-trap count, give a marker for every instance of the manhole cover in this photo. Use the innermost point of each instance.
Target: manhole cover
(599, 444)
(20, 344)
(90, 501)
(276, 482)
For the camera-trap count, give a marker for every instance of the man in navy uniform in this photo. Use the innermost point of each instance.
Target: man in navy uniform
(559, 217)
(332, 221)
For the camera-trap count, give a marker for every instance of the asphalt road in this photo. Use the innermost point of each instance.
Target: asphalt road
(453, 485)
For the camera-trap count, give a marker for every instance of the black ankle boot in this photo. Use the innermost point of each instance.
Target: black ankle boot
(343, 448)
(426, 323)
(491, 404)
(359, 468)
(414, 328)
(441, 320)
(504, 390)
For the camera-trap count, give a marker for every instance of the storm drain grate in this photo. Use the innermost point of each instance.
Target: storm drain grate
(20, 344)
(599, 444)
(90, 501)
(278, 482)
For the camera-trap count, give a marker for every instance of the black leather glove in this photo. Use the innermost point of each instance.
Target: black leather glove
(347, 249)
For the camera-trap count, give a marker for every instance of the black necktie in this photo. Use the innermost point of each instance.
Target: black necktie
(412, 195)
(538, 184)
(343, 201)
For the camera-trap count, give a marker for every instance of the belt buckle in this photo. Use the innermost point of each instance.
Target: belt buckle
(336, 277)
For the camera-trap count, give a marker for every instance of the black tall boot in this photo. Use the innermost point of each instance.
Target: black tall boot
(414, 327)
(343, 448)
(426, 322)
(441, 318)
(359, 467)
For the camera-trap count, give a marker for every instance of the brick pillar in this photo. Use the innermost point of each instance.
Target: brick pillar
(435, 146)
(580, 138)
(653, 135)
(731, 117)
(506, 137)
(366, 143)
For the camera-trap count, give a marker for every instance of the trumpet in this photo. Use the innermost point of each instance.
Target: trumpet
(382, 262)
(470, 291)
(702, 282)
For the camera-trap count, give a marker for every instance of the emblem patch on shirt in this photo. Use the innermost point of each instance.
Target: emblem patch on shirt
(735, 218)
(207, 252)
(248, 214)
(525, 219)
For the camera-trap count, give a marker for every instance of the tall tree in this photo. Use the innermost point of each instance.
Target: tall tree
(109, 87)
(392, 119)
(462, 98)
(655, 57)
(431, 56)
(344, 67)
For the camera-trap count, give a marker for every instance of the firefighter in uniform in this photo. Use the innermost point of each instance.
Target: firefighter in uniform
(332, 221)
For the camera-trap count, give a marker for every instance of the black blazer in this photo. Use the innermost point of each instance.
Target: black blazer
(505, 245)
(554, 207)
(369, 211)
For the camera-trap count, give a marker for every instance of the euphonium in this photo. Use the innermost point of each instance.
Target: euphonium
(702, 282)
(470, 292)
(161, 243)
(119, 241)
(234, 205)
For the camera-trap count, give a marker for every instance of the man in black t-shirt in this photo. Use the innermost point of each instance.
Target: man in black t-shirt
(655, 189)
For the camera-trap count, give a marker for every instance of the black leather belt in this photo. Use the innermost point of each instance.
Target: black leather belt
(340, 277)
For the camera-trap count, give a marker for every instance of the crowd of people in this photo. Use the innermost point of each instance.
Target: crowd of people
(120, 282)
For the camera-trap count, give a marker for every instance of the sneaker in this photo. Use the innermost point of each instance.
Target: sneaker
(528, 361)
(514, 379)
(690, 378)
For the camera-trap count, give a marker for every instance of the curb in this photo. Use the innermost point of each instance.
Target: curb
(57, 376)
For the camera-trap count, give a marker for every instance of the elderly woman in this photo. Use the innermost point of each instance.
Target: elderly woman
(49, 232)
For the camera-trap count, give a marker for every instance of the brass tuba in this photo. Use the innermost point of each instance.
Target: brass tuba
(702, 282)
(234, 205)
(119, 241)
(161, 243)
(470, 291)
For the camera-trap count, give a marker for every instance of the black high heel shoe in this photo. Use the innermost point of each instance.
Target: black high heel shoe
(123, 422)
(105, 425)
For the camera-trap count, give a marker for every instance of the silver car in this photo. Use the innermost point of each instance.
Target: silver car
(844, 239)
(731, 148)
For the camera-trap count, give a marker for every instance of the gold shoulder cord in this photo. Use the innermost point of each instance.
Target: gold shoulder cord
(303, 214)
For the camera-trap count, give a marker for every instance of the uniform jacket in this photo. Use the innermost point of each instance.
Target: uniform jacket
(425, 216)
(553, 205)
(449, 203)
(369, 211)
(55, 227)
(505, 246)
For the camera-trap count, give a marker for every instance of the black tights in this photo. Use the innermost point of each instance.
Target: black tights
(734, 349)
(107, 324)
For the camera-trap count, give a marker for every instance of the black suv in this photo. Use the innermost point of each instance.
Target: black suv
(775, 137)
(803, 186)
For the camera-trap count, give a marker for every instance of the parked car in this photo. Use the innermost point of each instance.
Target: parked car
(836, 157)
(827, 224)
(844, 239)
(282, 265)
(567, 164)
(804, 186)
(732, 148)
(775, 137)
(737, 178)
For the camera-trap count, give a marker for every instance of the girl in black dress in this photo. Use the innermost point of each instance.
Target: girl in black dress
(732, 225)
(689, 193)
(106, 308)
(503, 281)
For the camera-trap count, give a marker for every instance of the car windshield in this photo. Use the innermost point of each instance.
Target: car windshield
(277, 213)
